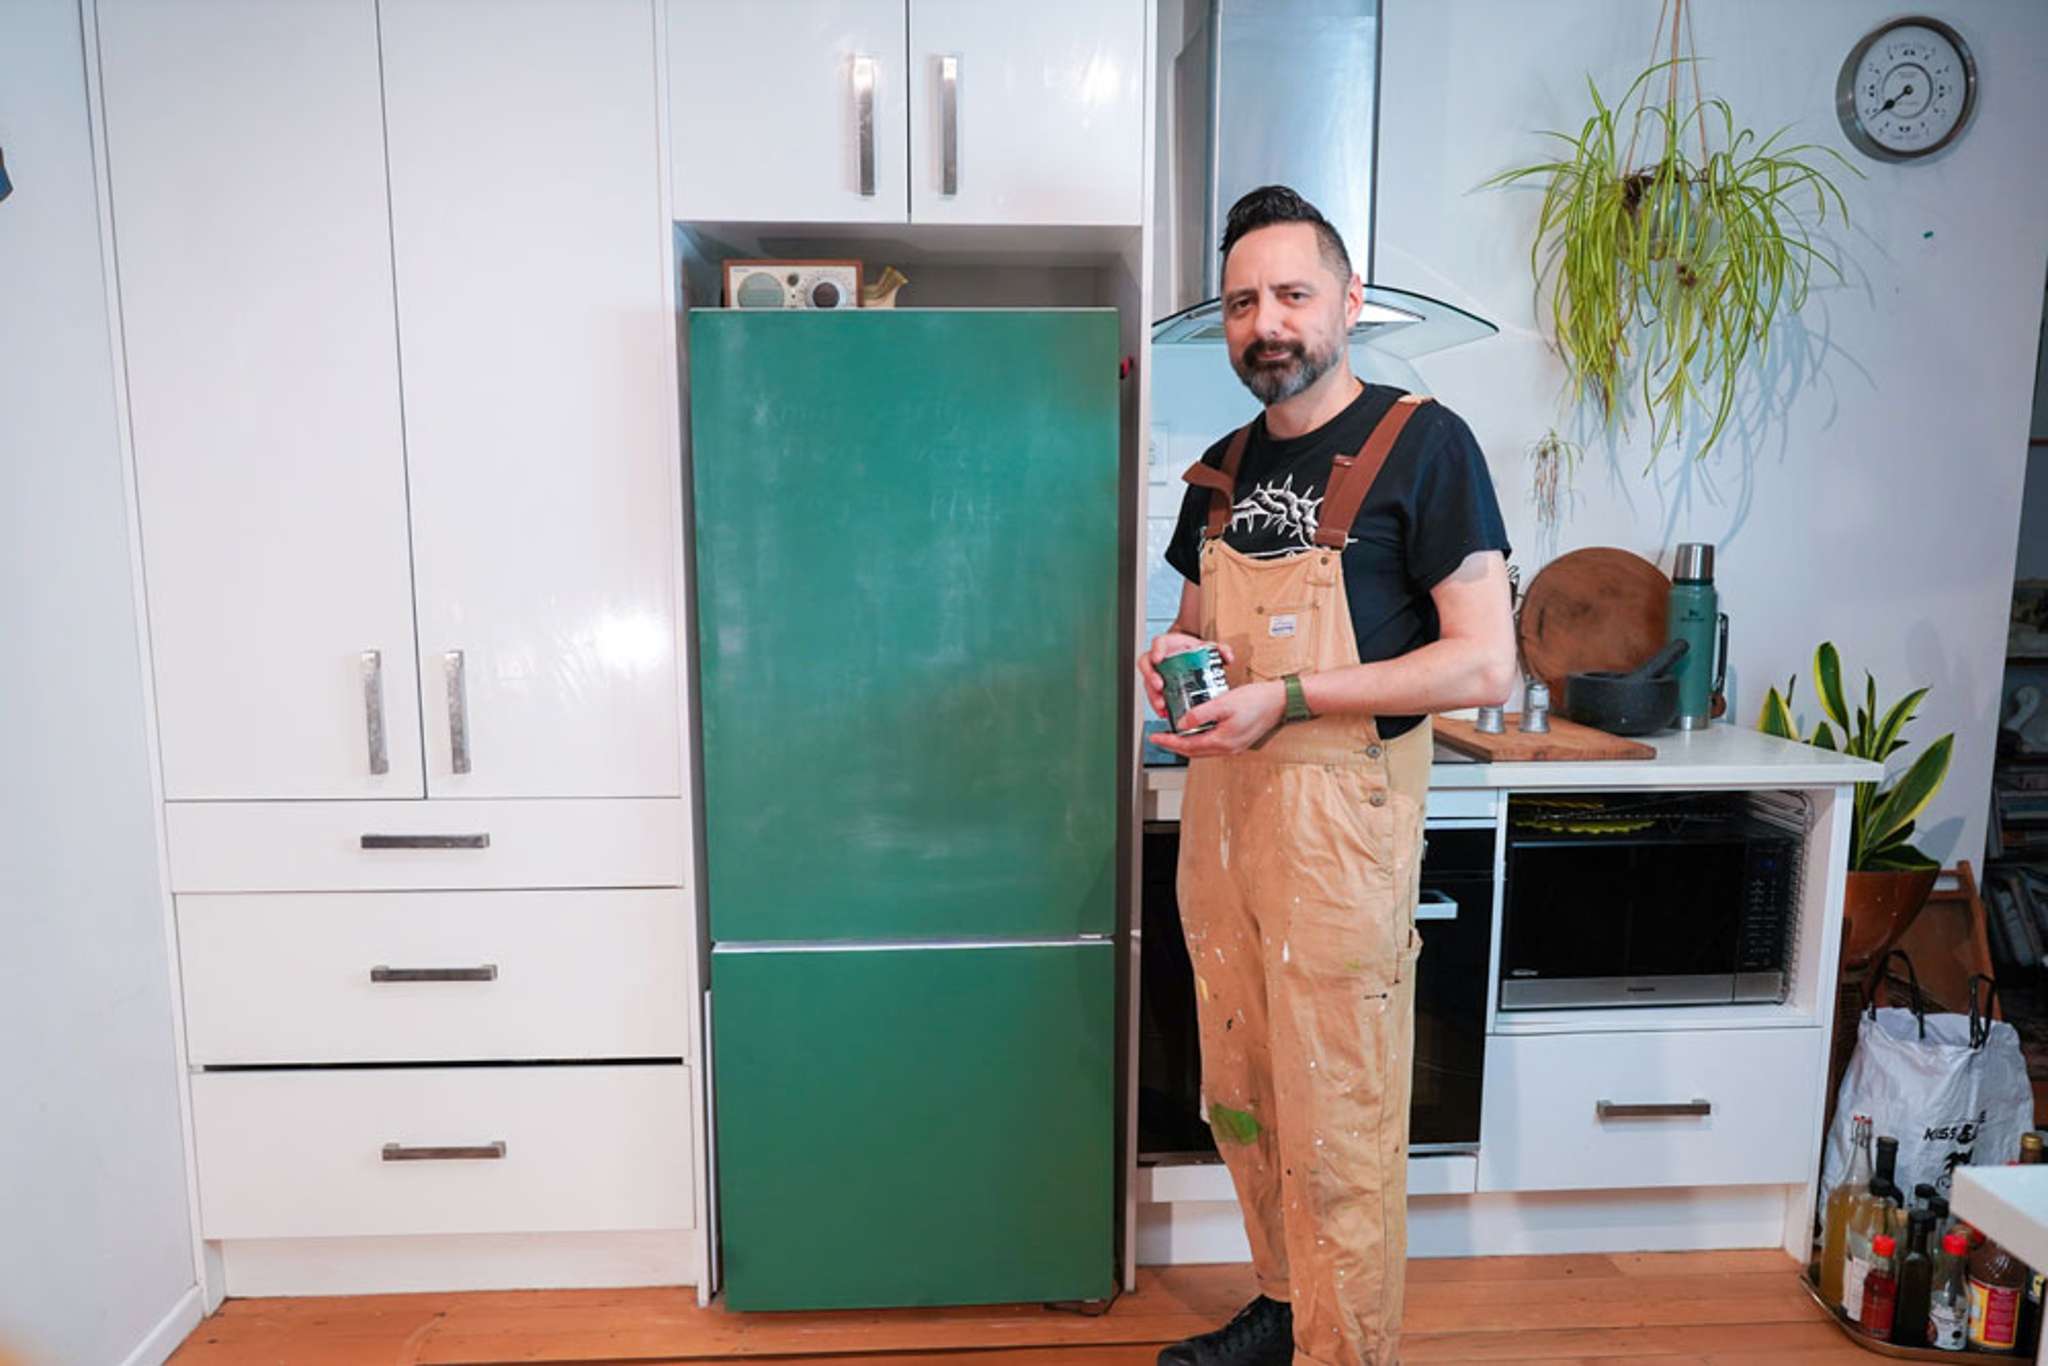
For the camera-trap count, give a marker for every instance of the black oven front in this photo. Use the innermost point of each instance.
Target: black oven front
(1455, 919)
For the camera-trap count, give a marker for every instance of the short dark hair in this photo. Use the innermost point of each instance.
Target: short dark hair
(1270, 204)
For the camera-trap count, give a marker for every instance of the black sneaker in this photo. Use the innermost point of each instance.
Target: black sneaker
(1262, 1334)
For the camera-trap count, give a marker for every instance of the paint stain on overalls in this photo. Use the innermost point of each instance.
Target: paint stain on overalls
(1299, 874)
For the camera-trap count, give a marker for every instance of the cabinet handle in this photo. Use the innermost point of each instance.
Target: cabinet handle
(949, 125)
(1683, 1109)
(487, 973)
(863, 79)
(1436, 905)
(398, 1152)
(482, 841)
(373, 709)
(458, 712)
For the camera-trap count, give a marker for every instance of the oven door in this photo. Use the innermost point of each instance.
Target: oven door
(1455, 920)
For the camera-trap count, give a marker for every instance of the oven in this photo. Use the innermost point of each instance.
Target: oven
(1455, 919)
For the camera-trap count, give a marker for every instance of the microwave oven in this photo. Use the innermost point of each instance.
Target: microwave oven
(1649, 899)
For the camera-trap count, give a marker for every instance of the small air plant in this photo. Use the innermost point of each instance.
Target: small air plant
(1671, 270)
(1555, 463)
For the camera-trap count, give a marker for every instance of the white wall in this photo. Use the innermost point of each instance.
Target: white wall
(95, 1242)
(2033, 557)
(1879, 505)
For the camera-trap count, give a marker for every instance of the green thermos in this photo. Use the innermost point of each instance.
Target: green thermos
(1695, 618)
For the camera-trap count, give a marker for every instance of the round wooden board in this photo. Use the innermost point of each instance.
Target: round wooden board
(1597, 608)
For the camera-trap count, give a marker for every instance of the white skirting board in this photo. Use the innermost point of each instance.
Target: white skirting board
(436, 1262)
(171, 1330)
(1669, 1220)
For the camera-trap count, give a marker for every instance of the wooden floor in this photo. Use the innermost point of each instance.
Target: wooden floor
(1732, 1308)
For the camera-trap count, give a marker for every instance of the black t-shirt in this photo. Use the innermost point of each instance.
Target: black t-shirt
(1431, 506)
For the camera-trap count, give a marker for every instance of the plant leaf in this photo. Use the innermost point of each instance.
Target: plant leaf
(1823, 738)
(1827, 681)
(1776, 718)
(1895, 721)
(1899, 858)
(1909, 796)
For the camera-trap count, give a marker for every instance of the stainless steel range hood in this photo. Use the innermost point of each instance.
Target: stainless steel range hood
(1283, 92)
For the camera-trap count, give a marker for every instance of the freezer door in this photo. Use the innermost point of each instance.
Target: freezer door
(915, 1126)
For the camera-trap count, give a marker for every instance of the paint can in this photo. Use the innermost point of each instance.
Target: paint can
(1191, 678)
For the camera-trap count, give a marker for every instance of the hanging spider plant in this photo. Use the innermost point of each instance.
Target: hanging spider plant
(1672, 270)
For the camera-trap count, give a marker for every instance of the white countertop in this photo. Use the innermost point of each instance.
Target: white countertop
(1722, 755)
(2010, 1204)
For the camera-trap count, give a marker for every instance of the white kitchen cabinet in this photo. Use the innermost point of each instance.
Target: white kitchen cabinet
(246, 155)
(788, 111)
(538, 371)
(440, 420)
(980, 113)
(1029, 115)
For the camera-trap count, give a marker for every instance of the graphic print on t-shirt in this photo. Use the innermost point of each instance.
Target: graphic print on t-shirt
(1277, 513)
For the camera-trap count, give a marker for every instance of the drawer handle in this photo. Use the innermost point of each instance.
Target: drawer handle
(1680, 1109)
(863, 77)
(1436, 905)
(483, 1152)
(487, 973)
(482, 841)
(949, 125)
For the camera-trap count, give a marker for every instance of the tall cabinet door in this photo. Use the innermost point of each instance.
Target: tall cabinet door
(537, 338)
(1038, 120)
(246, 148)
(909, 642)
(787, 111)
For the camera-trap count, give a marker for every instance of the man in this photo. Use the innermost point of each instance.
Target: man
(1346, 553)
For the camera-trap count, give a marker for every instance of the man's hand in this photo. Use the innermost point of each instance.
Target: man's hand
(1243, 716)
(1163, 645)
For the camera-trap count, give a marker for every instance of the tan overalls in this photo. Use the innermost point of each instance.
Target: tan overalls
(1299, 868)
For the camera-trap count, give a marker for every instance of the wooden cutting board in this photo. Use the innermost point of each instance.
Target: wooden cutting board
(1597, 608)
(1565, 740)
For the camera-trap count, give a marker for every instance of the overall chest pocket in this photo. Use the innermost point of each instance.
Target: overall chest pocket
(1283, 638)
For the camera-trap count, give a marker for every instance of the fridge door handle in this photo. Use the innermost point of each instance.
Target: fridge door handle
(862, 79)
(949, 125)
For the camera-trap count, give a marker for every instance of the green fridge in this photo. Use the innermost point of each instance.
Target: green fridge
(910, 660)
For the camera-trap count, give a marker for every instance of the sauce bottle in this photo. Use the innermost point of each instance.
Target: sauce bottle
(1916, 1283)
(1880, 1290)
(1998, 1281)
(1948, 1301)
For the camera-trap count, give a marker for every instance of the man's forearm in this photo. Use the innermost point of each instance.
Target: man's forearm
(1440, 676)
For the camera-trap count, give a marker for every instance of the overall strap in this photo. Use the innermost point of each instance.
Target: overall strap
(1351, 476)
(1221, 481)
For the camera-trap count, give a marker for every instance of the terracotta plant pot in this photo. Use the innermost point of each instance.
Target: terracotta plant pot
(1878, 909)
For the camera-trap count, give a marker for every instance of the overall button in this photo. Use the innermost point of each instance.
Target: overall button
(1378, 799)
(1372, 751)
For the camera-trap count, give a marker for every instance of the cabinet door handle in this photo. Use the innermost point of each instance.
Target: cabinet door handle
(863, 79)
(1682, 1109)
(949, 125)
(458, 712)
(373, 710)
(481, 841)
(398, 1152)
(1436, 905)
(487, 973)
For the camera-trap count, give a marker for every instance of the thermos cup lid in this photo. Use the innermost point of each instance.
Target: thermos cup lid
(1695, 563)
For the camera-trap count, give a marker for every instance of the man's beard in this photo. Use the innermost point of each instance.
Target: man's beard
(1277, 380)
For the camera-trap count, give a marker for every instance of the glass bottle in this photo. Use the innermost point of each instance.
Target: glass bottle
(1869, 1216)
(1948, 1300)
(2032, 1153)
(1880, 1289)
(1916, 1282)
(1841, 1201)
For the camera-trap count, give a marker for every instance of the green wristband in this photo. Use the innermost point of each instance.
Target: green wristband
(1297, 700)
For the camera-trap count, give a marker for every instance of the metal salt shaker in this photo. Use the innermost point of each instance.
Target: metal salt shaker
(1536, 708)
(1491, 721)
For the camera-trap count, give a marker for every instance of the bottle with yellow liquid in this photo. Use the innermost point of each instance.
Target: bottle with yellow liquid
(1841, 1200)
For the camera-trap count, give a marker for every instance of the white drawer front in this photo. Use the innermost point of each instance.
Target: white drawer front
(292, 978)
(321, 846)
(1541, 1126)
(301, 1154)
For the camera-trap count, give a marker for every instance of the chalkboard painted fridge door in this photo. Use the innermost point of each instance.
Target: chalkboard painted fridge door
(915, 1126)
(907, 616)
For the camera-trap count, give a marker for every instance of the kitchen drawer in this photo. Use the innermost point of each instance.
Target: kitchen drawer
(303, 1155)
(287, 978)
(320, 846)
(1541, 1129)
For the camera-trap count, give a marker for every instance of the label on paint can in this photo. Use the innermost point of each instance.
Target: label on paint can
(1191, 678)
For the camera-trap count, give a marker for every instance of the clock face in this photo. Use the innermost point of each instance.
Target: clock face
(1907, 89)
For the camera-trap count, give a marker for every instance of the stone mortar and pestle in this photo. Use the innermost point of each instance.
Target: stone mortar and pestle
(1643, 700)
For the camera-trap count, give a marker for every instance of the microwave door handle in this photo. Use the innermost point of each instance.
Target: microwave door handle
(1436, 904)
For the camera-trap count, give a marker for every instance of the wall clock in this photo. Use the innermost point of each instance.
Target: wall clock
(1907, 89)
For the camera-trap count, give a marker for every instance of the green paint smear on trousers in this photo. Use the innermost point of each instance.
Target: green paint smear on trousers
(1233, 1126)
